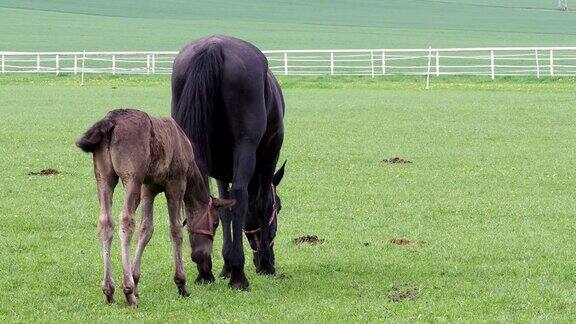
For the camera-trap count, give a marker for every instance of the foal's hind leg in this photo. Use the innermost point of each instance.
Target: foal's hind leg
(106, 181)
(144, 232)
(174, 195)
(132, 189)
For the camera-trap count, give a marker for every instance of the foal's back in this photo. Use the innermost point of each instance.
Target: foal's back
(149, 149)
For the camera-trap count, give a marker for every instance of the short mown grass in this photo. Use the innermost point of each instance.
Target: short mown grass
(488, 203)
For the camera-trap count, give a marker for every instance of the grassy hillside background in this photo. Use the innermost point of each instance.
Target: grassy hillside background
(152, 25)
(488, 203)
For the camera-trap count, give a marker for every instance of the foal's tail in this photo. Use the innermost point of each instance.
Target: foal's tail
(194, 109)
(96, 136)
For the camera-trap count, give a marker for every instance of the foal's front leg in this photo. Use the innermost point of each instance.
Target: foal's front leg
(174, 195)
(131, 200)
(144, 232)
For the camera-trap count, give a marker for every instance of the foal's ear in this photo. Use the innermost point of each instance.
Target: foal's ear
(278, 175)
(223, 203)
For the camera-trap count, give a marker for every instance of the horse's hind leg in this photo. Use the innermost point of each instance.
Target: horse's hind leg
(174, 195)
(106, 181)
(132, 189)
(145, 231)
(244, 164)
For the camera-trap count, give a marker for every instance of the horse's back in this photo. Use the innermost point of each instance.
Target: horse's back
(244, 66)
(242, 107)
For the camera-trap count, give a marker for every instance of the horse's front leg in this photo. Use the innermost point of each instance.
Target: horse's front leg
(267, 218)
(225, 217)
(174, 195)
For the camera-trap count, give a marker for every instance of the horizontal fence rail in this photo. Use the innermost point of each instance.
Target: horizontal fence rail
(490, 62)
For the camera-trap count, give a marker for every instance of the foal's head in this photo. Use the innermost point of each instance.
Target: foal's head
(202, 228)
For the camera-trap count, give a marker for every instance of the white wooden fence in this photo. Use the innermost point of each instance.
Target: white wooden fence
(492, 62)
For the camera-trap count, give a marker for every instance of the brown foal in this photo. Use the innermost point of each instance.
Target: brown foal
(150, 155)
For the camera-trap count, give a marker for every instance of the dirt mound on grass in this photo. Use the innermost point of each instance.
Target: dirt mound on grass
(44, 172)
(311, 239)
(396, 160)
(398, 293)
(282, 276)
(405, 241)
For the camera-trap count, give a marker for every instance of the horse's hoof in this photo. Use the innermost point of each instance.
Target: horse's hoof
(224, 274)
(266, 271)
(239, 282)
(183, 291)
(204, 279)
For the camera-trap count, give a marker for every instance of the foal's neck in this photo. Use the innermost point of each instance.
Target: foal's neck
(196, 191)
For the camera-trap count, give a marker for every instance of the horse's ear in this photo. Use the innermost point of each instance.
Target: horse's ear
(278, 175)
(223, 203)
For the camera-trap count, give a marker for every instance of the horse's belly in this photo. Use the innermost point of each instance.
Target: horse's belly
(222, 167)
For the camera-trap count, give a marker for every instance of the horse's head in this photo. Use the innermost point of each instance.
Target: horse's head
(266, 210)
(202, 229)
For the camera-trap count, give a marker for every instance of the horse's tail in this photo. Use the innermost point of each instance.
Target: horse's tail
(96, 136)
(194, 109)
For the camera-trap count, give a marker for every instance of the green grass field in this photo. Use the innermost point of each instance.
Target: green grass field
(487, 204)
(489, 193)
(66, 25)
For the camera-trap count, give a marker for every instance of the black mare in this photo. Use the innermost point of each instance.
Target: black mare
(231, 108)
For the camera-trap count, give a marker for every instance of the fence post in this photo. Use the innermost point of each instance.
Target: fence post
(83, 59)
(3, 63)
(551, 62)
(153, 63)
(437, 63)
(147, 63)
(75, 64)
(383, 62)
(428, 68)
(331, 63)
(285, 63)
(492, 67)
(38, 62)
(113, 64)
(372, 62)
(537, 64)
(57, 64)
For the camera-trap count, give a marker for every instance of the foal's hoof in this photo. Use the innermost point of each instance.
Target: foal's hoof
(239, 282)
(204, 279)
(109, 299)
(108, 294)
(183, 291)
(131, 300)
